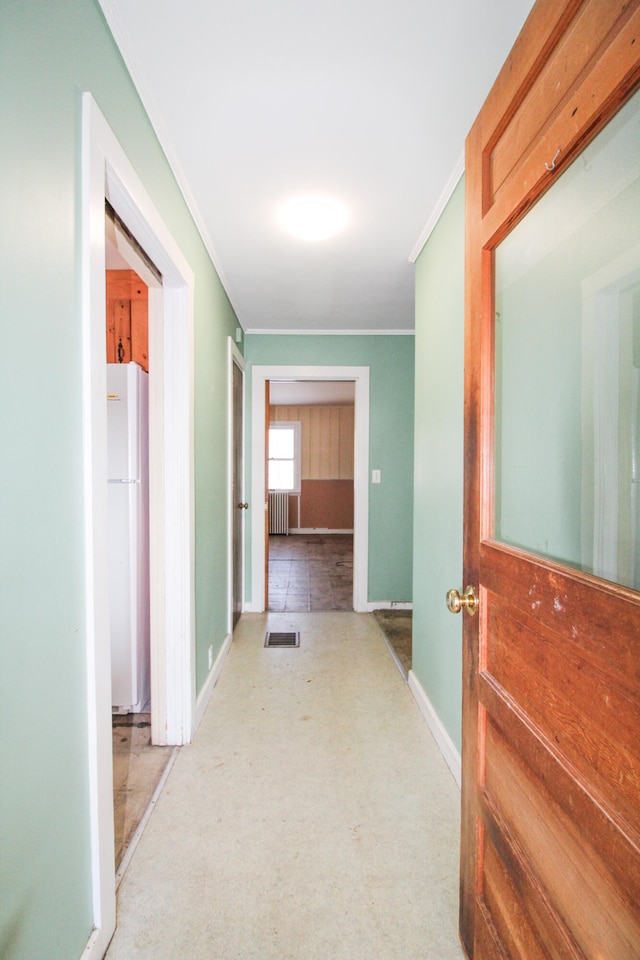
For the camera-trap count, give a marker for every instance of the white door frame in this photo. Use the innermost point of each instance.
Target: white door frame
(360, 376)
(107, 173)
(600, 411)
(234, 357)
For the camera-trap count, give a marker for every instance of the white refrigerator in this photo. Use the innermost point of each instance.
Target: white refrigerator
(128, 467)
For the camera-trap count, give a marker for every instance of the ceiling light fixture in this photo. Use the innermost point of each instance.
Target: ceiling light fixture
(313, 219)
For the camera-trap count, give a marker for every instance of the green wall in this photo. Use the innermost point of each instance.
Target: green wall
(439, 445)
(49, 54)
(390, 361)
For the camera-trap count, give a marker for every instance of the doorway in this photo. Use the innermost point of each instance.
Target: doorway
(310, 461)
(238, 505)
(138, 764)
(108, 175)
(359, 376)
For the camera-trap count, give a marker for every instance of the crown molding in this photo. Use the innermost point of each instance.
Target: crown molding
(122, 39)
(443, 200)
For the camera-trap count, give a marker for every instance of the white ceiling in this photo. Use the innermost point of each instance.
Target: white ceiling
(364, 101)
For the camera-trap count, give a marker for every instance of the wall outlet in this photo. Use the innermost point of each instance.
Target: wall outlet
(210, 656)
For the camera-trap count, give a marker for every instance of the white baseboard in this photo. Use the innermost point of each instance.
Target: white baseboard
(293, 531)
(445, 743)
(368, 607)
(96, 945)
(389, 605)
(249, 607)
(210, 682)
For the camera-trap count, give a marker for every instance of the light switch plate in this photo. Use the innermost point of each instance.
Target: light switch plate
(375, 476)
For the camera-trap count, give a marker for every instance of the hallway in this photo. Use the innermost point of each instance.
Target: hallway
(312, 818)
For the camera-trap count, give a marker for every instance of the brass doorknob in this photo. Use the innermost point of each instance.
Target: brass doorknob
(468, 600)
(243, 506)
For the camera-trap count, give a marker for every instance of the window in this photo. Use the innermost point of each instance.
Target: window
(284, 457)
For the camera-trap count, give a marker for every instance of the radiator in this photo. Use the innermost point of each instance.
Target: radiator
(279, 513)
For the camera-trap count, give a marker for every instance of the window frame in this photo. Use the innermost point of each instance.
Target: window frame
(296, 426)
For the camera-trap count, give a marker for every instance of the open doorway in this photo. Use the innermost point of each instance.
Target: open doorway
(108, 175)
(138, 765)
(310, 478)
(358, 379)
(237, 505)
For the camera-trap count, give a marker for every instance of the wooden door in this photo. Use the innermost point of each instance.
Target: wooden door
(238, 505)
(267, 419)
(550, 856)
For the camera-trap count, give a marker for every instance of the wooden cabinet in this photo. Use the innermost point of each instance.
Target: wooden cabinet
(127, 318)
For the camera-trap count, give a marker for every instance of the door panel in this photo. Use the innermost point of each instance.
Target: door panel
(550, 864)
(584, 35)
(553, 118)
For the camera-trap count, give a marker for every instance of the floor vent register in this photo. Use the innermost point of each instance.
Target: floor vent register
(275, 639)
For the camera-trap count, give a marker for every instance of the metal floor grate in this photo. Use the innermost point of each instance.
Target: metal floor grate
(275, 639)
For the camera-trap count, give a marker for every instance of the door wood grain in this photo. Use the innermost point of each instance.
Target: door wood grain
(550, 848)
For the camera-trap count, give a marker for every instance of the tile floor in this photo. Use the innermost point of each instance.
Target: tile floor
(312, 818)
(310, 572)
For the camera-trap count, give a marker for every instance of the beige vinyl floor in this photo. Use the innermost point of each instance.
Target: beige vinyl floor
(312, 818)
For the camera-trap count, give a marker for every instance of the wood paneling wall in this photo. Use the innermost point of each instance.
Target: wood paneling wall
(127, 318)
(326, 504)
(327, 439)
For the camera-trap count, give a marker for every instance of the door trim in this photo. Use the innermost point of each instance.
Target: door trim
(600, 298)
(107, 173)
(360, 376)
(234, 357)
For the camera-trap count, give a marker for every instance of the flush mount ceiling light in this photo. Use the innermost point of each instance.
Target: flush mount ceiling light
(313, 219)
